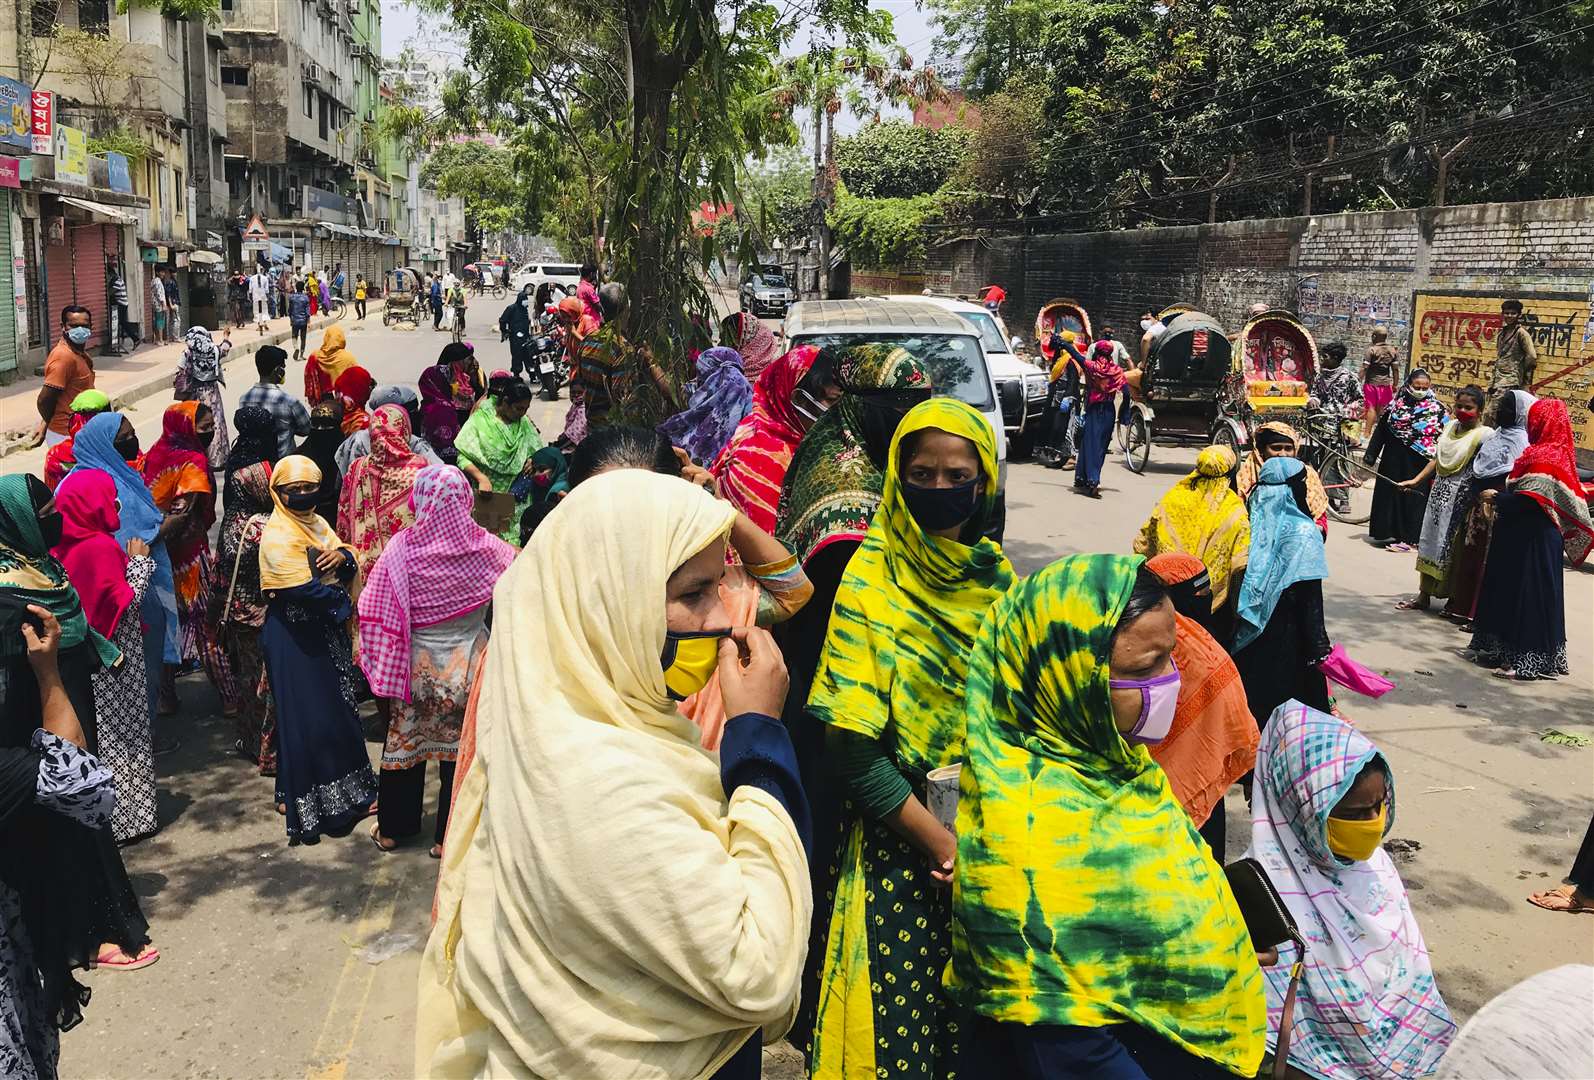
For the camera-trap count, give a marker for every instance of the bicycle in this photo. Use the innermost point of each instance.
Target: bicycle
(1326, 447)
(337, 308)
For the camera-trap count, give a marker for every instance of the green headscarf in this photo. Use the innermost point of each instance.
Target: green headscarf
(29, 574)
(1083, 894)
(905, 616)
(832, 485)
(500, 449)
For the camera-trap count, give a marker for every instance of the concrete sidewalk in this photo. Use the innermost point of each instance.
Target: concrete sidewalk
(146, 371)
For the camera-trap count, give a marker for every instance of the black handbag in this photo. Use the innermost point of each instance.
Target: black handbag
(1271, 925)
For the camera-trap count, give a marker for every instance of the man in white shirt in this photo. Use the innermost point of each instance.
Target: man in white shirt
(1151, 328)
(260, 296)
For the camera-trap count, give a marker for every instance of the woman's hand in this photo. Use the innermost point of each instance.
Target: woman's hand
(1267, 957)
(752, 673)
(42, 648)
(328, 561)
(943, 857)
(694, 473)
(136, 547)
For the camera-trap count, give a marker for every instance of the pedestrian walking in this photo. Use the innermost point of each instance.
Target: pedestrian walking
(202, 380)
(288, 413)
(119, 297)
(260, 298)
(1103, 379)
(1378, 379)
(174, 306)
(359, 297)
(435, 294)
(423, 616)
(159, 309)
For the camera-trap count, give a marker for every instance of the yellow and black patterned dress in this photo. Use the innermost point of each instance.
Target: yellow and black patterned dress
(893, 671)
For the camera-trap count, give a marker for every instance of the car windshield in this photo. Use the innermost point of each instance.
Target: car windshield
(553, 270)
(990, 334)
(768, 280)
(954, 361)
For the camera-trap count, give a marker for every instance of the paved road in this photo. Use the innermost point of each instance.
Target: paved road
(282, 962)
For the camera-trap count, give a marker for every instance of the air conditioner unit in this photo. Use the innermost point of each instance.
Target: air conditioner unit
(290, 198)
(311, 73)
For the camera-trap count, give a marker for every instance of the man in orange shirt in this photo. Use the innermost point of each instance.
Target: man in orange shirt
(68, 371)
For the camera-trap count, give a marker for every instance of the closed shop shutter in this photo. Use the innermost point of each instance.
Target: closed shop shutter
(30, 273)
(8, 305)
(75, 273)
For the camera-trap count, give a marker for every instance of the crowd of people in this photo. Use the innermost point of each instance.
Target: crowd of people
(696, 674)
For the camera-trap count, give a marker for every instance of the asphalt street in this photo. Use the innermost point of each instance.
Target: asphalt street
(289, 962)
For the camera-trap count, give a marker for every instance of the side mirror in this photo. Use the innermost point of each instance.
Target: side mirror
(1012, 396)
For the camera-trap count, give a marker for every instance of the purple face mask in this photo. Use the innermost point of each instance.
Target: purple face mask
(1159, 699)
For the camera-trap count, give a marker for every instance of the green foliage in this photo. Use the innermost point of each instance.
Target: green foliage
(898, 159)
(1143, 102)
(119, 140)
(201, 10)
(484, 178)
(775, 198)
(883, 232)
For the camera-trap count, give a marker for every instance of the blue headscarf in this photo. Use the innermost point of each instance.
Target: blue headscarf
(721, 398)
(1286, 547)
(94, 448)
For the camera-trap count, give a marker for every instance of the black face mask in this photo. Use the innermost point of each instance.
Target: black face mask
(300, 500)
(50, 527)
(127, 447)
(878, 417)
(941, 508)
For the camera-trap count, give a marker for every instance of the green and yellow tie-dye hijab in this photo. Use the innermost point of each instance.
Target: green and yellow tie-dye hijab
(1084, 895)
(896, 655)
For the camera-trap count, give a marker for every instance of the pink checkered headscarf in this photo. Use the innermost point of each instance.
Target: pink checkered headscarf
(441, 567)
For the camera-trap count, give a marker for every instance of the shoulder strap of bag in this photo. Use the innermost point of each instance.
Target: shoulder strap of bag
(1281, 1049)
(237, 560)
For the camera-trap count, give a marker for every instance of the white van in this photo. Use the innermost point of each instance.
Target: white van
(948, 346)
(565, 275)
(1025, 405)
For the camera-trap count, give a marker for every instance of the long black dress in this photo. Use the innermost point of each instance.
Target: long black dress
(1397, 512)
(75, 891)
(324, 774)
(1278, 664)
(1521, 617)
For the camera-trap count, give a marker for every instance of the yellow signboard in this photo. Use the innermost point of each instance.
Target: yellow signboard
(1454, 339)
(71, 155)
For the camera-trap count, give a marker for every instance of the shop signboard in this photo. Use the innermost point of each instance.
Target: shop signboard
(1456, 332)
(10, 172)
(42, 121)
(71, 155)
(121, 179)
(16, 125)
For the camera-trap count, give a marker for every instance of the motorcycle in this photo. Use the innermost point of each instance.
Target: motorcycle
(548, 363)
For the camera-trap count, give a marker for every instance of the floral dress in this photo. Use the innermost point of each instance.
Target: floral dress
(121, 708)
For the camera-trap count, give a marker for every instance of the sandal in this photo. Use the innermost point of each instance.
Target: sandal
(377, 838)
(107, 958)
(1562, 899)
(436, 851)
(1410, 604)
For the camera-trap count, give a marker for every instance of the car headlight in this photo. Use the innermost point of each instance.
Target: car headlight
(1035, 386)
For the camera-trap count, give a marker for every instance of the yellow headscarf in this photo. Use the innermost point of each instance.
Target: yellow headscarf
(1202, 517)
(906, 612)
(333, 357)
(604, 909)
(283, 562)
(1083, 894)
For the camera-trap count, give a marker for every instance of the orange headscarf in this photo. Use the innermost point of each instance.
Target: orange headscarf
(1214, 736)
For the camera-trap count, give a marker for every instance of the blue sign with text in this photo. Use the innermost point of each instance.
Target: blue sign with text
(16, 120)
(120, 178)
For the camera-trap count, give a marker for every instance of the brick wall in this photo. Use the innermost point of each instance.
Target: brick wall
(1342, 274)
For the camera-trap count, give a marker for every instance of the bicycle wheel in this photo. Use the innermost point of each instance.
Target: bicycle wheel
(1350, 495)
(1137, 446)
(338, 308)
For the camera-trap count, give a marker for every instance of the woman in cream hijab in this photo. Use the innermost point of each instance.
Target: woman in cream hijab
(614, 901)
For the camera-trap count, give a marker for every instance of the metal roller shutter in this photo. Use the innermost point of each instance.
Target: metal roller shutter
(8, 308)
(75, 274)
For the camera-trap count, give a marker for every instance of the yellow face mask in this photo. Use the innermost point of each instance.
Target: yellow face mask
(1356, 840)
(689, 661)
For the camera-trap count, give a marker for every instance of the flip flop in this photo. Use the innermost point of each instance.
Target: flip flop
(376, 838)
(1410, 604)
(107, 959)
(1556, 900)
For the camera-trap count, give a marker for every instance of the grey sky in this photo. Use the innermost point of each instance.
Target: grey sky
(401, 24)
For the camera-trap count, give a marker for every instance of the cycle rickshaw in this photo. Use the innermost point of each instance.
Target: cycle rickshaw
(1175, 395)
(405, 301)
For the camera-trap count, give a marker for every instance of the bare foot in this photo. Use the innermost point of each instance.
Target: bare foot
(1568, 898)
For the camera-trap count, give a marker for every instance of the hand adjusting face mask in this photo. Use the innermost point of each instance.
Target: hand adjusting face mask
(689, 660)
(1159, 699)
